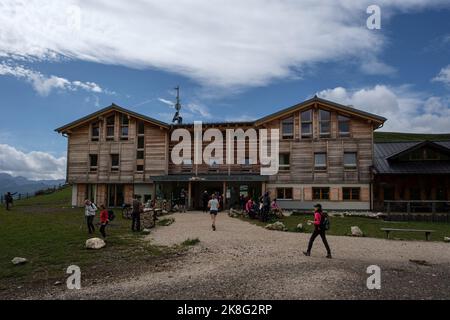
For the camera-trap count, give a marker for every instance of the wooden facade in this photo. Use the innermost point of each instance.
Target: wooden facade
(144, 163)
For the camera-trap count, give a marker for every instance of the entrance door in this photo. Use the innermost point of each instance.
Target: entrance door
(115, 195)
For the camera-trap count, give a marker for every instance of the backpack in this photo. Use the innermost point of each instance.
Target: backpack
(324, 221)
(111, 215)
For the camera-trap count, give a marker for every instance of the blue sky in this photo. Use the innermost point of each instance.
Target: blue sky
(234, 61)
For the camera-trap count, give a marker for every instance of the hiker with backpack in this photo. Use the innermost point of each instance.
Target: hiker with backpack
(321, 225)
(89, 211)
(104, 219)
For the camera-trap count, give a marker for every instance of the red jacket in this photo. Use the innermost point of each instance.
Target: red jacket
(104, 216)
(317, 218)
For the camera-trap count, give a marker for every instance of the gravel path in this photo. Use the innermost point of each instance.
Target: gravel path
(244, 261)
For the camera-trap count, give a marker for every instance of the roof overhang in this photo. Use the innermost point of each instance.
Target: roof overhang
(113, 107)
(377, 120)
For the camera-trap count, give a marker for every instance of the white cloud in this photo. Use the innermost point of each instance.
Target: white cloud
(221, 43)
(405, 109)
(35, 165)
(167, 102)
(444, 75)
(45, 84)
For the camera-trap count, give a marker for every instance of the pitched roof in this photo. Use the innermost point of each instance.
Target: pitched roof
(112, 107)
(303, 105)
(385, 152)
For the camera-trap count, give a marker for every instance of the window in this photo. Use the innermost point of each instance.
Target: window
(306, 124)
(93, 162)
(110, 122)
(140, 143)
(95, 131)
(320, 161)
(414, 194)
(344, 126)
(124, 121)
(114, 162)
(140, 154)
(350, 193)
(284, 161)
(284, 193)
(350, 160)
(140, 168)
(324, 123)
(321, 193)
(287, 128)
(140, 128)
(388, 193)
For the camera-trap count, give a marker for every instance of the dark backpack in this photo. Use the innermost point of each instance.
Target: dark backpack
(111, 215)
(324, 221)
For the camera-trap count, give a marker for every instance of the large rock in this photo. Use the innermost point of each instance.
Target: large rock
(95, 243)
(356, 231)
(146, 231)
(299, 227)
(19, 260)
(446, 239)
(279, 226)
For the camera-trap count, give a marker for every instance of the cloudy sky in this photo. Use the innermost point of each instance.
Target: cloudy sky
(234, 60)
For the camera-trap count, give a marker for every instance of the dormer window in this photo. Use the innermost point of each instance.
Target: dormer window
(124, 121)
(287, 128)
(306, 124)
(95, 131)
(344, 126)
(110, 122)
(324, 123)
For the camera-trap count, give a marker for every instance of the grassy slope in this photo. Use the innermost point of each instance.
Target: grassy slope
(370, 227)
(51, 235)
(380, 136)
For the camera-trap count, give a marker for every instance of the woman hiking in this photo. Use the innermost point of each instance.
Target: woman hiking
(213, 206)
(319, 229)
(89, 212)
(104, 219)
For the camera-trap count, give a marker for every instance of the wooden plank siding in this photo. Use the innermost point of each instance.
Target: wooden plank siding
(81, 146)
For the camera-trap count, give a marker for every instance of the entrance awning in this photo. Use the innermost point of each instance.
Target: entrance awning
(210, 177)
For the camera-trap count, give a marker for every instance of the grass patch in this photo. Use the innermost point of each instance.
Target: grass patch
(52, 235)
(340, 226)
(190, 242)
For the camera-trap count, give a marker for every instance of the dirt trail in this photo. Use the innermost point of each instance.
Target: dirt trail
(244, 261)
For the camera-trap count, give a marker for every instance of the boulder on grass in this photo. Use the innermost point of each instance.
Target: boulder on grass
(356, 231)
(446, 239)
(279, 226)
(95, 243)
(19, 260)
(146, 231)
(299, 227)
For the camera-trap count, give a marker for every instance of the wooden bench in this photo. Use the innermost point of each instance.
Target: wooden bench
(427, 232)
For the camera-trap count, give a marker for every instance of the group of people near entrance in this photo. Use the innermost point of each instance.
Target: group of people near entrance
(262, 209)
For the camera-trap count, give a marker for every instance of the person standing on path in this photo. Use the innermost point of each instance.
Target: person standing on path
(213, 206)
(104, 219)
(320, 227)
(182, 201)
(136, 214)
(89, 212)
(205, 200)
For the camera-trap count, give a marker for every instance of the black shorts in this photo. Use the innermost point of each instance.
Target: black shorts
(214, 212)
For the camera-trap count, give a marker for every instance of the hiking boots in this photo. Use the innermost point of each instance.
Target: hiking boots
(306, 253)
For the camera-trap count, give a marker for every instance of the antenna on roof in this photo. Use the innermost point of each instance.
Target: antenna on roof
(177, 118)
